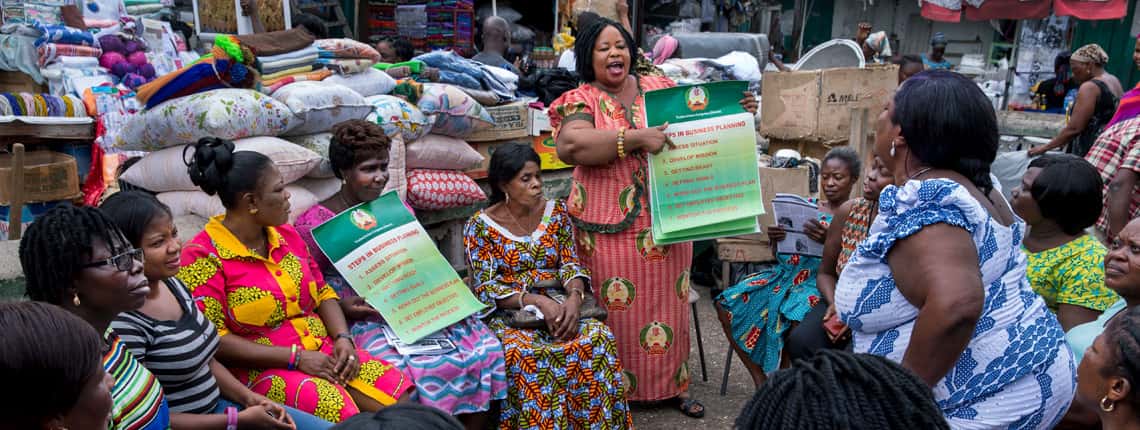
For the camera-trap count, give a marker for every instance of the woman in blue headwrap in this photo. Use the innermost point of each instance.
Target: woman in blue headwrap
(936, 59)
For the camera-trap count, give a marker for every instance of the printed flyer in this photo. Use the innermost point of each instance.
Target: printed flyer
(708, 186)
(389, 259)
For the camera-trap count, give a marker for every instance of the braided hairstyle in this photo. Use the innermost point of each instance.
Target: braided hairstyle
(218, 170)
(356, 141)
(948, 124)
(58, 244)
(835, 390)
(48, 348)
(1123, 338)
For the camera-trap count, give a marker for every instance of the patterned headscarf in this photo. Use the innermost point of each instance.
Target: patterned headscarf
(1091, 53)
(879, 43)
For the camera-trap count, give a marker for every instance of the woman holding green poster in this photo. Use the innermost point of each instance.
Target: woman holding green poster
(464, 381)
(600, 127)
(757, 312)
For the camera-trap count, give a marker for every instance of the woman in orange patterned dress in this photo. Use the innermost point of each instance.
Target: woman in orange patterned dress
(601, 128)
(565, 376)
(282, 330)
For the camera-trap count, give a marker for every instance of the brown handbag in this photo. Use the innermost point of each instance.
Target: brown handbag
(518, 318)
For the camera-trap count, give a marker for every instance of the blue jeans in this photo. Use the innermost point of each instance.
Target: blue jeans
(303, 420)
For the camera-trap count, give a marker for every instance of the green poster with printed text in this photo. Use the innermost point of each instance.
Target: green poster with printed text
(708, 185)
(389, 260)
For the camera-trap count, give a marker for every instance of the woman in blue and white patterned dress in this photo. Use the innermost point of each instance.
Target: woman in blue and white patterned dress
(939, 285)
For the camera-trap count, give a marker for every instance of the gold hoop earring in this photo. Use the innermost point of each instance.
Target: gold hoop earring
(1106, 404)
(253, 211)
(75, 300)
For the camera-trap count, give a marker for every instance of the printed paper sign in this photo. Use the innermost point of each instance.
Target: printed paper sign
(389, 259)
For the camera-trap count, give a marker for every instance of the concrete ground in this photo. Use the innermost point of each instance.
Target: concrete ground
(720, 412)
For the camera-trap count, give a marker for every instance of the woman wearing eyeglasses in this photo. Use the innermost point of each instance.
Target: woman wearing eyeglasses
(76, 258)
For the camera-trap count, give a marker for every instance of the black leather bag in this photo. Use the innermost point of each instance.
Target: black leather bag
(519, 318)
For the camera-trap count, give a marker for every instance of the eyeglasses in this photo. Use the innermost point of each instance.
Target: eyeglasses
(122, 262)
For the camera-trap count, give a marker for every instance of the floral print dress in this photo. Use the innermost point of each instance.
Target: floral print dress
(552, 385)
(273, 301)
(763, 306)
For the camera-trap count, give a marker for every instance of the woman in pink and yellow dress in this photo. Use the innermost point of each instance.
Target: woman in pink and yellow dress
(281, 326)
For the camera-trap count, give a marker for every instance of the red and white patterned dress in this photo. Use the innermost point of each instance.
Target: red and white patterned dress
(645, 287)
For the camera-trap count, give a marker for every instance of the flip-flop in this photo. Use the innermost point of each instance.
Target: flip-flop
(691, 408)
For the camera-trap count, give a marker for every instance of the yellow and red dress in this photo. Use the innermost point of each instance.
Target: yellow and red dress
(272, 301)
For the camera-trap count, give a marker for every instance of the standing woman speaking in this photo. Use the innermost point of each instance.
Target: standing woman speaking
(600, 127)
(939, 285)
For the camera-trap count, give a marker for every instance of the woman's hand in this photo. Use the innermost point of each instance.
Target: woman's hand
(1038, 150)
(829, 313)
(347, 365)
(551, 313)
(430, 73)
(316, 363)
(622, 8)
(652, 140)
(815, 231)
(356, 309)
(567, 329)
(262, 417)
(749, 102)
(776, 234)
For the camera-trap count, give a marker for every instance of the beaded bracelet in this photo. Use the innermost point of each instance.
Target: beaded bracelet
(621, 143)
(293, 358)
(231, 418)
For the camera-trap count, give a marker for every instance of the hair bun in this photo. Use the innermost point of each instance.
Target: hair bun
(210, 163)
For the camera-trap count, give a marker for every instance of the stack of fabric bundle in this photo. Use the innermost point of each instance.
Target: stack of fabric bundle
(451, 25)
(57, 41)
(281, 69)
(227, 66)
(352, 62)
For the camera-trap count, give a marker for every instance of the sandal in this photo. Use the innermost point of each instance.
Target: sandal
(691, 407)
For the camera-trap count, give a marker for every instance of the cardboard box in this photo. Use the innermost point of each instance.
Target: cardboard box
(816, 105)
(543, 145)
(743, 251)
(539, 122)
(48, 176)
(512, 121)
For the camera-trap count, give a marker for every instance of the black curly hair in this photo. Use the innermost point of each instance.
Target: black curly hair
(59, 243)
(218, 170)
(356, 141)
(835, 390)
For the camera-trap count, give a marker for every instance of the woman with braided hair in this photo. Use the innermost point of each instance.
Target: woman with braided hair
(281, 328)
(835, 390)
(77, 259)
(1110, 368)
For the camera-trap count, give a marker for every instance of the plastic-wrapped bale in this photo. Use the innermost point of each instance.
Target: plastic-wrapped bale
(226, 113)
(397, 116)
(165, 170)
(456, 113)
(321, 105)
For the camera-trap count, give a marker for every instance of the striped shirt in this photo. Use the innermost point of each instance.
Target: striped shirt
(137, 396)
(177, 352)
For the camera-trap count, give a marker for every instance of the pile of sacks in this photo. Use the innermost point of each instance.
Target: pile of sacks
(426, 124)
